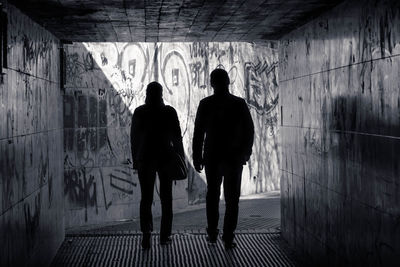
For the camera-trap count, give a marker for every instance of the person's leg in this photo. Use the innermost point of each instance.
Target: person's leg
(147, 176)
(232, 182)
(214, 180)
(166, 207)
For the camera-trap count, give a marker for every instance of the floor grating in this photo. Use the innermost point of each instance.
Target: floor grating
(187, 249)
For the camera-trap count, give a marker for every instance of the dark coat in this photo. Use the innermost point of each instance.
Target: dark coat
(223, 130)
(154, 131)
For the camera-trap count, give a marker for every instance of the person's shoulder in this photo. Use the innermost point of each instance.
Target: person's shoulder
(238, 99)
(207, 100)
(170, 108)
(140, 109)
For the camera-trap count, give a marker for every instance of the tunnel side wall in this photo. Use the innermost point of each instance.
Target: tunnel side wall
(340, 135)
(31, 146)
(107, 81)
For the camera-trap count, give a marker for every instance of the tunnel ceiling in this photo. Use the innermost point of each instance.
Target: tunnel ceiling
(171, 20)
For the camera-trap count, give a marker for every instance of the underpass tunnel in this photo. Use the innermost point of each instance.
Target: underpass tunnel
(320, 79)
(105, 82)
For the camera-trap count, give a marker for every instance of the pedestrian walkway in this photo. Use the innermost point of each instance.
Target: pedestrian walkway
(261, 212)
(186, 250)
(118, 244)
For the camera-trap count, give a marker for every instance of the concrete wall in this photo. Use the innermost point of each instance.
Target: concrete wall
(107, 81)
(340, 96)
(31, 146)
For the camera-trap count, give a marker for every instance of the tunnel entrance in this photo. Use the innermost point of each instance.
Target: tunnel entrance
(338, 162)
(105, 82)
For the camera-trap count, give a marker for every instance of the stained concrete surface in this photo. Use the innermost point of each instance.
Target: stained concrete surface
(31, 145)
(172, 20)
(340, 135)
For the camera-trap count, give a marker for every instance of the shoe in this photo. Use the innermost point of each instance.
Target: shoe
(165, 241)
(230, 244)
(146, 241)
(212, 239)
(212, 236)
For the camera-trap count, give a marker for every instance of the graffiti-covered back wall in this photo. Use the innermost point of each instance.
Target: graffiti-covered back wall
(105, 82)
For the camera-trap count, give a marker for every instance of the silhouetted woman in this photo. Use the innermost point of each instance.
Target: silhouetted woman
(155, 131)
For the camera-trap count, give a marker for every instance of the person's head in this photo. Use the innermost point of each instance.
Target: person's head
(219, 81)
(154, 94)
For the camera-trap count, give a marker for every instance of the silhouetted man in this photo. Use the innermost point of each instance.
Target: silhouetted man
(222, 143)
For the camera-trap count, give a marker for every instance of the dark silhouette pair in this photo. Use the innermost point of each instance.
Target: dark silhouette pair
(222, 143)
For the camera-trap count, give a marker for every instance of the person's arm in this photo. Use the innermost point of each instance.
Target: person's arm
(177, 134)
(198, 138)
(134, 143)
(248, 136)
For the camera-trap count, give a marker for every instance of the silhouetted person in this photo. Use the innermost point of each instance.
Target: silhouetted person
(222, 142)
(155, 130)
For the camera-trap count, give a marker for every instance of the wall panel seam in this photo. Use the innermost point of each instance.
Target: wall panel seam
(34, 133)
(337, 68)
(340, 194)
(24, 198)
(33, 76)
(344, 132)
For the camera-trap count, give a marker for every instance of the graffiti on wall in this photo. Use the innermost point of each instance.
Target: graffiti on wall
(258, 77)
(107, 81)
(30, 145)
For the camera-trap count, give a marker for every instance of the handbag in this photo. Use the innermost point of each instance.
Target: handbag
(175, 166)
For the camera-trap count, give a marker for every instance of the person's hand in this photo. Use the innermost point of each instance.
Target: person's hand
(198, 166)
(134, 166)
(244, 159)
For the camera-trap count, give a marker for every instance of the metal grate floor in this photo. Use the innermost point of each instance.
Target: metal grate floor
(187, 249)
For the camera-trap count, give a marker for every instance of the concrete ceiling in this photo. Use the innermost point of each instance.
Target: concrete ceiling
(172, 20)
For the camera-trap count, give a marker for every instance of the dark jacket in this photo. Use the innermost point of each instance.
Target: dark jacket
(154, 131)
(223, 130)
